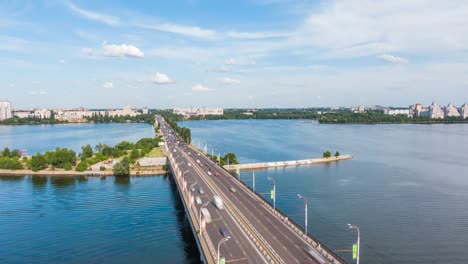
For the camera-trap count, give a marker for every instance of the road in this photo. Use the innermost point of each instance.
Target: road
(280, 242)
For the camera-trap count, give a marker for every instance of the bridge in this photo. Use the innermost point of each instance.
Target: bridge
(243, 227)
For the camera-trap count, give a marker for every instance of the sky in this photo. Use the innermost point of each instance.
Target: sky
(233, 54)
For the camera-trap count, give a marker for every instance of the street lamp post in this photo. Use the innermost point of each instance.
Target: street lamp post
(358, 240)
(199, 218)
(193, 184)
(305, 209)
(221, 242)
(274, 191)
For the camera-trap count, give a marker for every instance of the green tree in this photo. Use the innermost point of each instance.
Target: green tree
(60, 157)
(337, 154)
(327, 154)
(134, 154)
(82, 166)
(6, 152)
(231, 157)
(122, 169)
(87, 152)
(38, 162)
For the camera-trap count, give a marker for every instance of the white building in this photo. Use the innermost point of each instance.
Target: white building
(451, 110)
(22, 113)
(435, 111)
(464, 110)
(397, 111)
(145, 110)
(41, 113)
(198, 111)
(5, 110)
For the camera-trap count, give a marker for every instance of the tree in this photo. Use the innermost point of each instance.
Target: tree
(61, 157)
(337, 154)
(327, 154)
(6, 152)
(38, 162)
(82, 166)
(87, 152)
(231, 157)
(122, 169)
(134, 154)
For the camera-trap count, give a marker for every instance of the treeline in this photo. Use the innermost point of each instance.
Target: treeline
(143, 118)
(273, 113)
(230, 158)
(377, 116)
(9, 160)
(171, 119)
(31, 121)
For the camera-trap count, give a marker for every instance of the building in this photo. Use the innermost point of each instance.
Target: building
(464, 111)
(22, 113)
(451, 110)
(435, 112)
(398, 111)
(5, 110)
(145, 110)
(198, 111)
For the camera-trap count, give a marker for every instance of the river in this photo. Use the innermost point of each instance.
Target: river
(406, 187)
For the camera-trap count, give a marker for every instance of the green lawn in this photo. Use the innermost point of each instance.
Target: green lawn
(155, 152)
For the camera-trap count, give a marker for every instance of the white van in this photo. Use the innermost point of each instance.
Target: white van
(218, 202)
(206, 215)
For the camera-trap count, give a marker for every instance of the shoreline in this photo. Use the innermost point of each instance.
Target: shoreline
(55, 173)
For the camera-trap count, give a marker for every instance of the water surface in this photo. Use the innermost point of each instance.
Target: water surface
(406, 187)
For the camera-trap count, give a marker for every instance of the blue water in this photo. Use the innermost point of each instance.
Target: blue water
(68, 220)
(406, 187)
(41, 138)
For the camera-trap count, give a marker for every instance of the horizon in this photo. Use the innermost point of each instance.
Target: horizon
(247, 54)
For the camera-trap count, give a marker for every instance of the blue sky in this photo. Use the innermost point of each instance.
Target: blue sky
(243, 53)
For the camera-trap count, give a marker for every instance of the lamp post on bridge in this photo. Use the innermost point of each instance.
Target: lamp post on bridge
(221, 242)
(358, 247)
(273, 192)
(305, 209)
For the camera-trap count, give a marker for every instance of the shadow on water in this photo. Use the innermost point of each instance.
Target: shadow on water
(62, 182)
(122, 181)
(192, 254)
(38, 181)
(81, 179)
(11, 178)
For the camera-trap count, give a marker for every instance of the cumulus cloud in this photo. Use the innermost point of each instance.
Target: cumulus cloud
(108, 85)
(393, 59)
(227, 80)
(122, 50)
(103, 18)
(161, 78)
(200, 88)
(192, 31)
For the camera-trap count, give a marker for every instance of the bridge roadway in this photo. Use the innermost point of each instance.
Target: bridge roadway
(259, 233)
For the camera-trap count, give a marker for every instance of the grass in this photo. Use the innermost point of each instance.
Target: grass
(155, 152)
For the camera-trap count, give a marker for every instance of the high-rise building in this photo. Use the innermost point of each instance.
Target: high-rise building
(5, 110)
(435, 111)
(451, 110)
(464, 110)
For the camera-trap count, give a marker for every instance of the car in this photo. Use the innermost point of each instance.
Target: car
(198, 200)
(216, 174)
(201, 191)
(198, 154)
(233, 189)
(224, 232)
(198, 161)
(209, 173)
(192, 189)
(189, 164)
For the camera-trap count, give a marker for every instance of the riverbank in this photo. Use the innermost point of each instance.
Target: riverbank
(266, 165)
(147, 171)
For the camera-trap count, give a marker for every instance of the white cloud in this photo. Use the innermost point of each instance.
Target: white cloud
(108, 85)
(122, 50)
(87, 51)
(192, 31)
(62, 61)
(161, 78)
(227, 80)
(103, 18)
(255, 35)
(200, 88)
(233, 61)
(393, 59)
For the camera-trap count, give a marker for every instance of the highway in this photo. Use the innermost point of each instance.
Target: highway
(258, 234)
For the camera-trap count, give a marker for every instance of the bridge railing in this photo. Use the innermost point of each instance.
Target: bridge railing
(293, 225)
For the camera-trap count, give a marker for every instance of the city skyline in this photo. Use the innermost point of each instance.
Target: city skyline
(247, 54)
